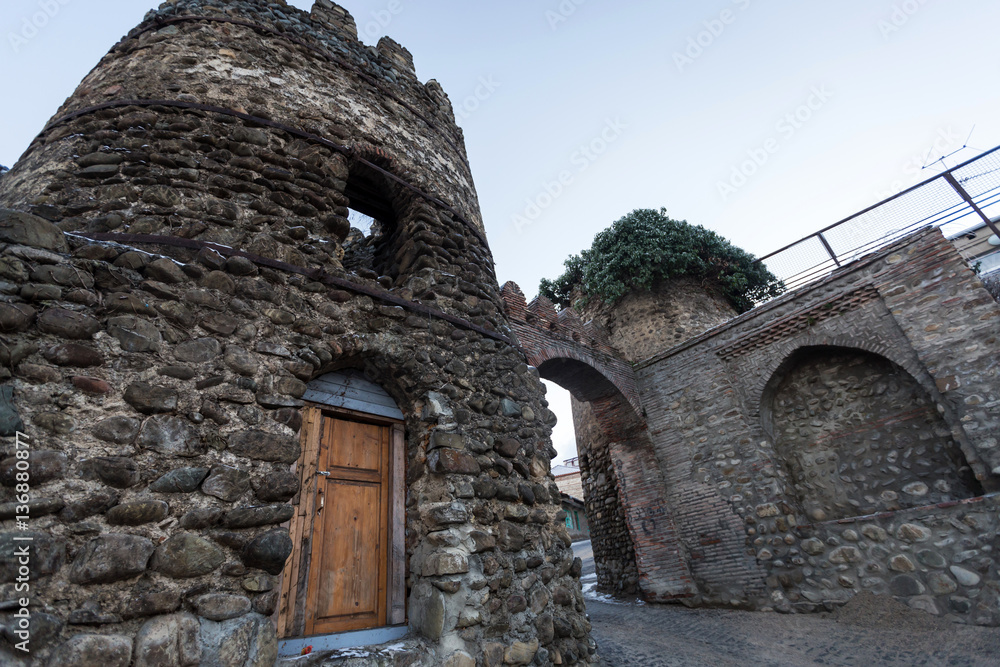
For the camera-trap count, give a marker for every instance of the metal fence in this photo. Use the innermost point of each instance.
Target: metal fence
(958, 199)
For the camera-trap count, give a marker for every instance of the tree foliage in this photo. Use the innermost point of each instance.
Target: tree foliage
(646, 247)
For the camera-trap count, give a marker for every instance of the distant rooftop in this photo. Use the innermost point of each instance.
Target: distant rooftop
(568, 467)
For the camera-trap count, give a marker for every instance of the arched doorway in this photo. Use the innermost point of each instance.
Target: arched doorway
(859, 435)
(635, 542)
(347, 571)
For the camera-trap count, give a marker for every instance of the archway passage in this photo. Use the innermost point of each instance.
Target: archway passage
(859, 435)
(634, 537)
(582, 380)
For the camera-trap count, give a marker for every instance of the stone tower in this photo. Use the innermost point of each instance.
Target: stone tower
(227, 399)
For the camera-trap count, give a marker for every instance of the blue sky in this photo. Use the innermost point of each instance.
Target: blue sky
(635, 104)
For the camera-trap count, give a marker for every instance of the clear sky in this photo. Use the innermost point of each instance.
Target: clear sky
(634, 103)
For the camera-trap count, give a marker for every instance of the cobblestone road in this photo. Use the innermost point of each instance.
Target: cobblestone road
(668, 636)
(869, 634)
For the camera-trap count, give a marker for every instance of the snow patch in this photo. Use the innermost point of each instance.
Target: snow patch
(590, 593)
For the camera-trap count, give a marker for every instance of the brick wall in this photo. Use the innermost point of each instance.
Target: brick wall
(709, 404)
(889, 364)
(571, 484)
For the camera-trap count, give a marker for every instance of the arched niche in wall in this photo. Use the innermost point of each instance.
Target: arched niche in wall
(348, 568)
(859, 435)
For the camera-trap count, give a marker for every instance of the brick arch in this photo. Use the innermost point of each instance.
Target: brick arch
(947, 461)
(785, 351)
(570, 353)
(578, 357)
(581, 374)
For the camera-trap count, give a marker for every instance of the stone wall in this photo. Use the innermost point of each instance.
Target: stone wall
(939, 559)
(644, 323)
(733, 441)
(871, 391)
(157, 354)
(992, 283)
(614, 554)
(860, 436)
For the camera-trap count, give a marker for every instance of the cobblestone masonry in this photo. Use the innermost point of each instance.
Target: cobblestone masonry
(160, 380)
(889, 364)
(940, 559)
(859, 436)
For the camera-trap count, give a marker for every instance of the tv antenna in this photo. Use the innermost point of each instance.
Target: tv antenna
(945, 157)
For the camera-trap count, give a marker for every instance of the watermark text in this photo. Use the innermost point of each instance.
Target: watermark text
(712, 30)
(22, 543)
(899, 16)
(562, 13)
(380, 20)
(946, 141)
(32, 25)
(582, 158)
(471, 104)
(786, 128)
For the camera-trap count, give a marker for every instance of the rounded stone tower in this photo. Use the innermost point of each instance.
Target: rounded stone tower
(248, 429)
(644, 323)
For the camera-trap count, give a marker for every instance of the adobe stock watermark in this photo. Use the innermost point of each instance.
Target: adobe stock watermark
(582, 159)
(471, 104)
(22, 542)
(899, 16)
(946, 141)
(712, 30)
(381, 18)
(32, 25)
(786, 128)
(562, 13)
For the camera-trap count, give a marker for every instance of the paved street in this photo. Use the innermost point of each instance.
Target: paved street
(872, 632)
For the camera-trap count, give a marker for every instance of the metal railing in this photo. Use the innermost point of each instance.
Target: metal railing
(955, 200)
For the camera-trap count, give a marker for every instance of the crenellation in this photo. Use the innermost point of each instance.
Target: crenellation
(544, 312)
(400, 58)
(335, 17)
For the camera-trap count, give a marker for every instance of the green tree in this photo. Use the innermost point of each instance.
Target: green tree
(646, 247)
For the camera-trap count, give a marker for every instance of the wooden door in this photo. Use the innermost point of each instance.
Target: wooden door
(348, 564)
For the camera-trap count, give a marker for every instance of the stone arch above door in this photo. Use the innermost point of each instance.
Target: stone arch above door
(351, 390)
